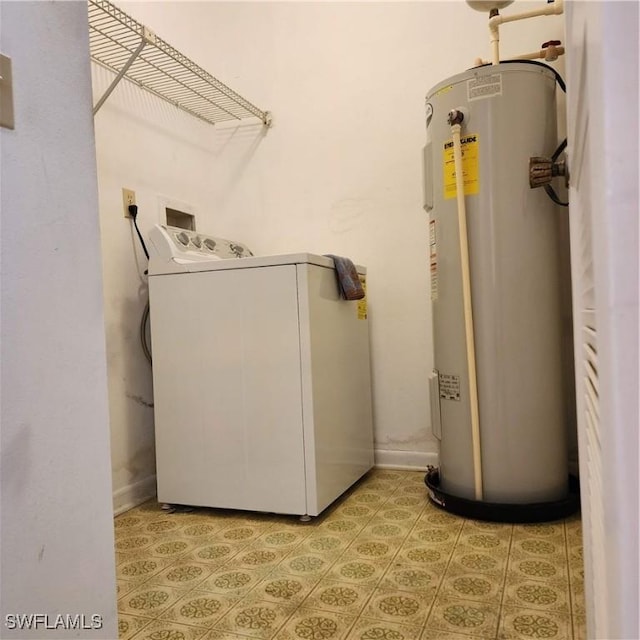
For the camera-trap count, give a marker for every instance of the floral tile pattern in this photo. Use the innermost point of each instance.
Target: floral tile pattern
(382, 563)
(339, 597)
(128, 625)
(312, 624)
(164, 630)
(200, 608)
(256, 618)
(400, 606)
(465, 616)
(367, 629)
(520, 624)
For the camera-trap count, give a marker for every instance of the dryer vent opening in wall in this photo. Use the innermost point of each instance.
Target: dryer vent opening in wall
(180, 219)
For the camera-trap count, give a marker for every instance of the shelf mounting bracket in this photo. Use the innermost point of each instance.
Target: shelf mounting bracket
(147, 37)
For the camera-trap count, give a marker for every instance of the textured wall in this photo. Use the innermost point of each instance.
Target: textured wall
(57, 552)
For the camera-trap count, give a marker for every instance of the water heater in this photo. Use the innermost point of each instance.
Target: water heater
(512, 465)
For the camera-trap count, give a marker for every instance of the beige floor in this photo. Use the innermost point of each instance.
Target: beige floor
(381, 564)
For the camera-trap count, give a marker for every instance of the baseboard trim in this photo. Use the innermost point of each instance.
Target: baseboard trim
(409, 460)
(133, 494)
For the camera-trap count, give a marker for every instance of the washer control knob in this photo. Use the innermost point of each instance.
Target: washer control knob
(182, 238)
(196, 241)
(209, 244)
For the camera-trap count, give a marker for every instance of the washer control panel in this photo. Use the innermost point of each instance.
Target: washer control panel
(180, 246)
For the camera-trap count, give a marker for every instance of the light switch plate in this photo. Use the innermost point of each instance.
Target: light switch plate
(6, 93)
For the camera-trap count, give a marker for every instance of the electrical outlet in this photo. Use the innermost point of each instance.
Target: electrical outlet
(128, 197)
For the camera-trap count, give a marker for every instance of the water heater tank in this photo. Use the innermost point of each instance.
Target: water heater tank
(513, 236)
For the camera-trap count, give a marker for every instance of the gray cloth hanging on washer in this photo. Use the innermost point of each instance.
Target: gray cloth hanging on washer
(349, 283)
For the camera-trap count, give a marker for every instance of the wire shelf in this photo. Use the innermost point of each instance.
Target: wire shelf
(132, 51)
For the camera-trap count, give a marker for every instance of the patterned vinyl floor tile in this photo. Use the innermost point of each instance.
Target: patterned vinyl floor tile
(231, 581)
(339, 597)
(150, 600)
(214, 553)
(382, 563)
(200, 608)
(397, 532)
(400, 606)
(167, 630)
(551, 596)
(217, 634)
(171, 548)
(481, 587)
(129, 625)
(439, 634)
(322, 543)
(537, 568)
(370, 629)
(522, 624)
(363, 572)
(537, 547)
(316, 624)
(496, 543)
(141, 565)
(183, 573)
(283, 587)
(438, 518)
(425, 555)
(256, 618)
(408, 577)
(545, 531)
(480, 561)
(464, 616)
(125, 587)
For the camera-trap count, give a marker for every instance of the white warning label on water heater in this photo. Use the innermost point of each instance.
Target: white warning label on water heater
(484, 87)
(433, 267)
(433, 260)
(449, 386)
(432, 235)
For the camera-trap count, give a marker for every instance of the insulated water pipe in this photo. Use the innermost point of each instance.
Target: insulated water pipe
(550, 51)
(495, 20)
(456, 116)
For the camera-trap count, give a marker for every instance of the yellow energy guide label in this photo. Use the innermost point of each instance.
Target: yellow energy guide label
(470, 155)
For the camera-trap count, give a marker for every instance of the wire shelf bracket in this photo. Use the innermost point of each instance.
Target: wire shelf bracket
(131, 50)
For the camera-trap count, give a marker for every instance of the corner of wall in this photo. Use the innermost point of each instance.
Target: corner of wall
(409, 460)
(134, 494)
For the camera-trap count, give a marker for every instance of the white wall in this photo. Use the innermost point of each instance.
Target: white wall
(339, 172)
(57, 554)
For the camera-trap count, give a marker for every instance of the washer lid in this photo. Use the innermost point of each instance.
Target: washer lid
(261, 261)
(191, 266)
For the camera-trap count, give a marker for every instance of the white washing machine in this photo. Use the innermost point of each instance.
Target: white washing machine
(261, 375)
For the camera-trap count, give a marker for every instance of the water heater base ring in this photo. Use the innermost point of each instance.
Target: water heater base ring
(502, 512)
